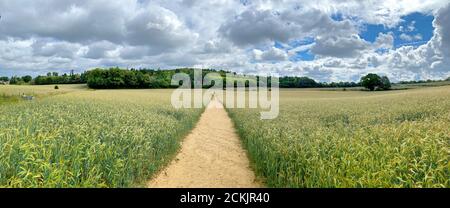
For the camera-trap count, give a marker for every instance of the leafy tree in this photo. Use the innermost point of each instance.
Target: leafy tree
(4, 79)
(371, 81)
(64, 79)
(385, 83)
(15, 80)
(298, 82)
(113, 78)
(27, 78)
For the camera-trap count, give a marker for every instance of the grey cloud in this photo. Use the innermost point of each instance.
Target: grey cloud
(99, 49)
(256, 26)
(134, 52)
(441, 23)
(273, 54)
(217, 46)
(57, 49)
(252, 27)
(341, 47)
(317, 72)
(374, 61)
(333, 63)
(71, 20)
(158, 28)
(119, 22)
(315, 22)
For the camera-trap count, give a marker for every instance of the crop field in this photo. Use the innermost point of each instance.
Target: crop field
(84, 138)
(76, 137)
(39, 90)
(351, 139)
(12, 93)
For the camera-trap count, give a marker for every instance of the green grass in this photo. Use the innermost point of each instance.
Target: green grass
(351, 139)
(106, 138)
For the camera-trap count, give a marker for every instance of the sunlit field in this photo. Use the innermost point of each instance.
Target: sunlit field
(39, 90)
(13, 93)
(351, 139)
(75, 137)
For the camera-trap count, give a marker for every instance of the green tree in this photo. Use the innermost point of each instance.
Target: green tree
(15, 80)
(27, 78)
(385, 83)
(371, 81)
(4, 79)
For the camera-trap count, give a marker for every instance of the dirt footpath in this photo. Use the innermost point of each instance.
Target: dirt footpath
(211, 156)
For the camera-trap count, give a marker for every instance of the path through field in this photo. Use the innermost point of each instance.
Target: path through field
(211, 156)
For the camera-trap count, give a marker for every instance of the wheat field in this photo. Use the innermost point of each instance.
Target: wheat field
(76, 137)
(351, 139)
(85, 138)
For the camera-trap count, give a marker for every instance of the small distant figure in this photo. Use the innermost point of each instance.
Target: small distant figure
(56, 87)
(27, 97)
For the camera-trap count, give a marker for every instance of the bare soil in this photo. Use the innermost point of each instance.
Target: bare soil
(211, 156)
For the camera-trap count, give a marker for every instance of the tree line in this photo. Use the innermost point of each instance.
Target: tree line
(50, 78)
(116, 78)
(422, 81)
(306, 82)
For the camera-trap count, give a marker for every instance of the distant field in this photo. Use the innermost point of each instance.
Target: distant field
(84, 138)
(420, 85)
(394, 86)
(39, 90)
(351, 139)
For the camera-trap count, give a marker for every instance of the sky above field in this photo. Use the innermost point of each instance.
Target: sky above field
(327, 40)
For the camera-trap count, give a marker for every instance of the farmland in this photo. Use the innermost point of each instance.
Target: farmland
(74, 137)
(77, 137)
(351, 139)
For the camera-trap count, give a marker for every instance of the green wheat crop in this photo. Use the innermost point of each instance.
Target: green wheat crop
(106, 138)
(351, 139)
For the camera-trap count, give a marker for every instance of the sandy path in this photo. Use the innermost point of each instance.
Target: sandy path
(211, 156)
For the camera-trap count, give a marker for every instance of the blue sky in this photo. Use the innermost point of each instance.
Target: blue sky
(422, 25)
(417, 26)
